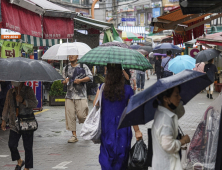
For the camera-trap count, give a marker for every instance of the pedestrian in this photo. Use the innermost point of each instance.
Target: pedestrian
(26, 98)
(4, 87)
(158, 66)
(127, 75)
(140, 80)
(91, 86)
(153, 63)
(199, 67)
(211, 69)
(115, 144)
(166, 146)
(147, 73)
(133, 80)
(76, 103)
(164, 64)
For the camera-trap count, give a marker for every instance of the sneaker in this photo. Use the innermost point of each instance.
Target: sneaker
(142, 89)
(73, 139)
(138, 89)
(207, 95)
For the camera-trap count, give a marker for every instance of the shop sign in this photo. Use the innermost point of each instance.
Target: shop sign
(142, 19)
(128, 19)
(156, 4)
(10, 49)
(147, 6)
(156, 12)
(139, 7)
(149, 18)
(9, 34)
(169, 8)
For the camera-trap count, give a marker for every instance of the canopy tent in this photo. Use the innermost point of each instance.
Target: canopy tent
(138, 30)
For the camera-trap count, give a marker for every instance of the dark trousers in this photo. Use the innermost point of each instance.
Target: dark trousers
(27, 143)
(2, 102)
(167, 74)
(158, 75)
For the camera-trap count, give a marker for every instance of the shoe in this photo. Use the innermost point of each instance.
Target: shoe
(73, 139)
(20, 167)
(211, 97)
(207, 95)
(138, 89)
(142, 89)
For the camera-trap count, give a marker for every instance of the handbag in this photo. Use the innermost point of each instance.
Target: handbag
(138, 156)
(162, 68)
(91, 129)
(26, 121)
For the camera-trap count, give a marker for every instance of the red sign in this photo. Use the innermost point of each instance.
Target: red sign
(20, 20)
(57, 28)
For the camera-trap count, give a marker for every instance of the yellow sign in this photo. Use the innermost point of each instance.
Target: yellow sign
(59, 100)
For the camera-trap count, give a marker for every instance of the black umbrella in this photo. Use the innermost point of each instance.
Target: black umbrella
(140, 108)
(164, 47)
(206, 55)
(147, 48)
(135, 47)
(23, 69)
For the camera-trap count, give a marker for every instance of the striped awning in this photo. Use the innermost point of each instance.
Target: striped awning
(36, 41)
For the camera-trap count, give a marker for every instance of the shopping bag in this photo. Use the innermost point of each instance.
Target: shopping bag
(91, 129)
(138, 156)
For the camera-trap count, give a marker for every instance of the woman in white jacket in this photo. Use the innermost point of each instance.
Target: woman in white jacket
(165, 131)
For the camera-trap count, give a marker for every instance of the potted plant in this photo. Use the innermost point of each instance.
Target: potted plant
(56, 94)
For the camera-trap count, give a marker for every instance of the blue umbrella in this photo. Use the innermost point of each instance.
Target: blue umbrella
(164, 47)
(140, 108)
(181, 62)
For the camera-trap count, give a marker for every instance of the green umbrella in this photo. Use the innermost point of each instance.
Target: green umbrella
(130, 59)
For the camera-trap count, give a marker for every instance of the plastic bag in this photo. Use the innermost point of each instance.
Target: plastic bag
(138, 156)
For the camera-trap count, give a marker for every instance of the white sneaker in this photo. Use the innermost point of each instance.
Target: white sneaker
(73, 139)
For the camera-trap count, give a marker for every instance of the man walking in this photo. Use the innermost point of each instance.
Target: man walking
(164, 64)
(76, 103)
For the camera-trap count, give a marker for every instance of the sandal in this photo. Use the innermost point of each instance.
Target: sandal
(20, 167)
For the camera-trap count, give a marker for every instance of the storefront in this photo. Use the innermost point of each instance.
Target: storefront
(144, 15)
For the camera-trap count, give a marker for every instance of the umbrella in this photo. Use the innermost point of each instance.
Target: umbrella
(61, 51)
(142, 51)
(206, 55)
(118, 44)
(23, 69)
(140, 108)
(135, 47)
(158, 54)
(130, 59)
(129, 36)
(147, 43)
(181, 62)
(162, 48)
(147, 48)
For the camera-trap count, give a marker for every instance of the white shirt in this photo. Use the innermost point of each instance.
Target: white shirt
(165, 144)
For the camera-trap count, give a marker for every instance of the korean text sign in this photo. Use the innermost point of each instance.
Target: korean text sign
(10, 49)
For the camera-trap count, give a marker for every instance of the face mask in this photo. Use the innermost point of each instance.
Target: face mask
(172, 106)
(15, 84)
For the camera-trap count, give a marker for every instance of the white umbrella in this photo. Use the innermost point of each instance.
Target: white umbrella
(61, 51)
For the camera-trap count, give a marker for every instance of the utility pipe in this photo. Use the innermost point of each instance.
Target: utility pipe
(92, 8)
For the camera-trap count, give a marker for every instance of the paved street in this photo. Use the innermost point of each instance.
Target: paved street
(51, 150)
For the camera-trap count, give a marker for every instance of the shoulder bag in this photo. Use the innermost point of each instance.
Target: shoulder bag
(26, 121)
(91, 129)
(162, 68)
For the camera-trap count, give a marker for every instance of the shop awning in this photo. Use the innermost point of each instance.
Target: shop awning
(83, 23)
(215, 39)
(44, 7)
(37, 42)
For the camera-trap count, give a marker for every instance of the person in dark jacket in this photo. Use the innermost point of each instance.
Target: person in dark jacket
(158, 67)
(4, 87)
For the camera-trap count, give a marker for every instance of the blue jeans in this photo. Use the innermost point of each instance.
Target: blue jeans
(140, 80)
(167, 74)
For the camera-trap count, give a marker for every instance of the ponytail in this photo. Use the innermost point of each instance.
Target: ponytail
(155, 103)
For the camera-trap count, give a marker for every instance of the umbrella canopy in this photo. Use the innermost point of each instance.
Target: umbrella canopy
(158, 54)
(129, 36)
(206, 55)
(147, 48)
(144, 52)
(181, 62)
(164, 47)
(140, 108)
(118, 44)
(23, 69)
(130, 59)
(135, 47)
(61, 51)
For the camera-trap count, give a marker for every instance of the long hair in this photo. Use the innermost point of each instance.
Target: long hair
(114, 83)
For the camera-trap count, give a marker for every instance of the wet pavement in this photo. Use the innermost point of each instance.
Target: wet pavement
(51, 150)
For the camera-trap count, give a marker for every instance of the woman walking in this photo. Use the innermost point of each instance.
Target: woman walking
(115, 144)
(24, 95)
(166, 147)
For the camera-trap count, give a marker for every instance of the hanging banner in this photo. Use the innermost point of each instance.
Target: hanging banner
(57, 28)
(20, 20)
(10, 49)
(28, 48)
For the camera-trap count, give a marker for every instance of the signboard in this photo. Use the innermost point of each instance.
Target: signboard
(128, 19)
(149, 18)
(142, 19)
(193, 51)
(147, 6)
(168, 3)
(10, 49)
(37, 88)
(156, 12)
(9, 34)
(139, 7)
(156, 4)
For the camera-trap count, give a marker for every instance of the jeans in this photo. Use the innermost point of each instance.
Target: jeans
(140, 80)
(167, 74)
(27, 143)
